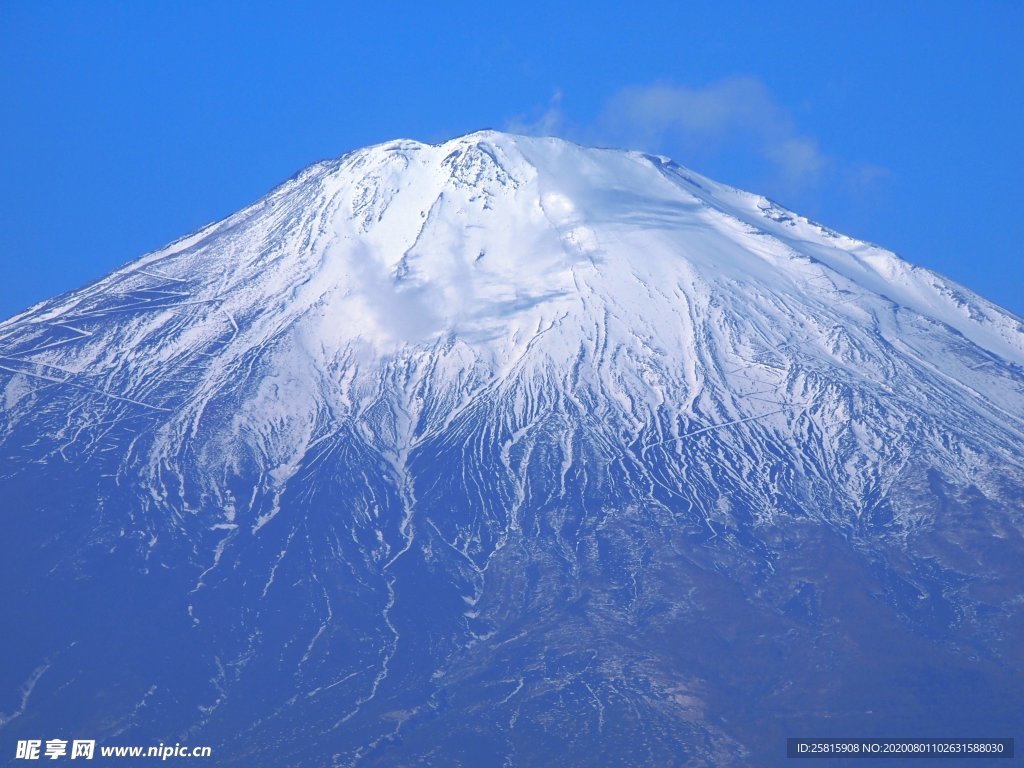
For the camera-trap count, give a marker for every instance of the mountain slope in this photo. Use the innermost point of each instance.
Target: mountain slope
(511, 451)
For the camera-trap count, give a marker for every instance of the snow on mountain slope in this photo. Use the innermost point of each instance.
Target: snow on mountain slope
(463, 438)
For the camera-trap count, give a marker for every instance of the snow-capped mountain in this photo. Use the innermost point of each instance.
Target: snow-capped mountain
(507, 451)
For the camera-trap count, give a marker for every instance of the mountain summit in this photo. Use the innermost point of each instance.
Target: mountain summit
(507, 451)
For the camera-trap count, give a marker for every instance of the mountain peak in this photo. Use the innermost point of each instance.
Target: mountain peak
(490, 236)
(474, 452)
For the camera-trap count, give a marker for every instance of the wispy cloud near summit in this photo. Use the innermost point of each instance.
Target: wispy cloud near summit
(701, 120)
(697, 124)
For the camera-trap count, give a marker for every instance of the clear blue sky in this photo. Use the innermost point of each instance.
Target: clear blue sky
(125, 125)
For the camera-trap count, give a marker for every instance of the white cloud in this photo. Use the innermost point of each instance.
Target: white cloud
(798, 159)
(700, 126)
(736, 112)
(549, 121)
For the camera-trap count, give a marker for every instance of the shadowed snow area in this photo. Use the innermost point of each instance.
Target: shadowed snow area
(507, 451)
